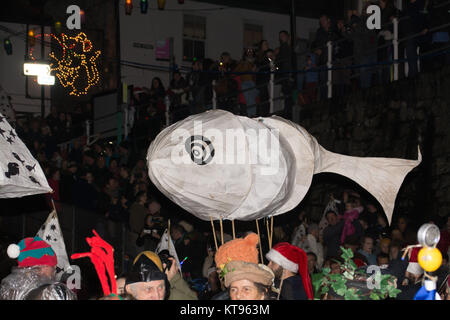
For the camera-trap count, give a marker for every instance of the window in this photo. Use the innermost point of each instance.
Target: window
(253, 34)
(194, 36)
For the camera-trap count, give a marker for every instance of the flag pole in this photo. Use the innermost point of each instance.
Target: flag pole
(170, 242)
(53, 204)
(168, 230)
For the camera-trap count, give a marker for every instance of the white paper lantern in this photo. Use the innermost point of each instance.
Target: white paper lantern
(221, 166)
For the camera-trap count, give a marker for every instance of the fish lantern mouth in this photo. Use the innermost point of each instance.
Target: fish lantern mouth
(200, 149)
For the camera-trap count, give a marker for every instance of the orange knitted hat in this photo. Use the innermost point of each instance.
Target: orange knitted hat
(238, 250)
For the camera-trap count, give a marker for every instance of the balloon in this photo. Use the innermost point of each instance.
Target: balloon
(430, 259)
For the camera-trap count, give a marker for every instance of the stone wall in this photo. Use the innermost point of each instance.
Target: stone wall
(389, 121)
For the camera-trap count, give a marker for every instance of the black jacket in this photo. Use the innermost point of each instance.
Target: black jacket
(293, 289)
(332, 238)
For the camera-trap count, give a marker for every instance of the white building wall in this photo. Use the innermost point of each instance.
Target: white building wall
(158, 25)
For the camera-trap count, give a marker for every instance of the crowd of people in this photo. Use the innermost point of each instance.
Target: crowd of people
(237, 269)
(302, 78)
(111, 180)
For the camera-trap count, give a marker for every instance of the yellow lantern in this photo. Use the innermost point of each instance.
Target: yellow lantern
(430, 259)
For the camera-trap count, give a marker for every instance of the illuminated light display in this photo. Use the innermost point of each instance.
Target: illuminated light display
(77, 58)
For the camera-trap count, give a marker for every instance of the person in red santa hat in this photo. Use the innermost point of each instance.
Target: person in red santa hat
(289, 264)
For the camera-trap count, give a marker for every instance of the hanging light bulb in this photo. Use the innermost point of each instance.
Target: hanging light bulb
(161, 4)
(128, 7)
(8, 46)
(144, 6)
(82, 16)
(58, 26)
(31, 38)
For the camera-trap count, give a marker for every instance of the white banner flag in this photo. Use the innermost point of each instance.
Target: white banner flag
(20, 173)
(164, 245)
(51, 233)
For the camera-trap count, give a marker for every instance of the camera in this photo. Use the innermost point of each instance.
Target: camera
(164, 255)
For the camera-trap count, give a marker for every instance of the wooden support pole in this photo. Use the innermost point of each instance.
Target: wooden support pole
(271, 231)
(221, 231)
(259, 237)
(232, 225)
(214, 233)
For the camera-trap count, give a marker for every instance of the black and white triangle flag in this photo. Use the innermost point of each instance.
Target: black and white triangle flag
(51, 233)
(20, 173)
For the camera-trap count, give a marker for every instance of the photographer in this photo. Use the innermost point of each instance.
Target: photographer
(150, 234)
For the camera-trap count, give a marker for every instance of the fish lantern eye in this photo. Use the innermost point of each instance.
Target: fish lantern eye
(200, 149)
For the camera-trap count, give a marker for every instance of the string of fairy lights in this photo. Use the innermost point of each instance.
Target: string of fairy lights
(78, 58)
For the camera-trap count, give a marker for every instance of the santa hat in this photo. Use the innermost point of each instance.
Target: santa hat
(293, 259)
(413, 266)
(32, 252)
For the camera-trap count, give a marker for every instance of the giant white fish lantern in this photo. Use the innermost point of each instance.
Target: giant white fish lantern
(222, 166)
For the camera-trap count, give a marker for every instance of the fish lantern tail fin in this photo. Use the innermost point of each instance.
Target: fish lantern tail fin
(382, 177)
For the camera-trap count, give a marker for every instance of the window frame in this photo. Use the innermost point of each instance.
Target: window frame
(193, 39)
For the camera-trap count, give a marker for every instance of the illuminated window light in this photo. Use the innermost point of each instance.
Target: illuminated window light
(46, 80)
(36, 69)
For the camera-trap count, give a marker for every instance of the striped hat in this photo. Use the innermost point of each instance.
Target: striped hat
(32, 252)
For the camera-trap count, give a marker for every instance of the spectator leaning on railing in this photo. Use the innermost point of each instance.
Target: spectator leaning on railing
(324, 34)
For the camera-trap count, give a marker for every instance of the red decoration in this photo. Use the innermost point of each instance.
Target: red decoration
(102, 256)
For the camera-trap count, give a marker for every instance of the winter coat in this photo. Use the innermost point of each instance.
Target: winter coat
(179, 289)
(22, 281)
(292, 289)
(283, 60)
(331, 238)
(364, 41)
(137, 216)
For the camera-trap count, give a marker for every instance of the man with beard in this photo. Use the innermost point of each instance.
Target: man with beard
(289, 264)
